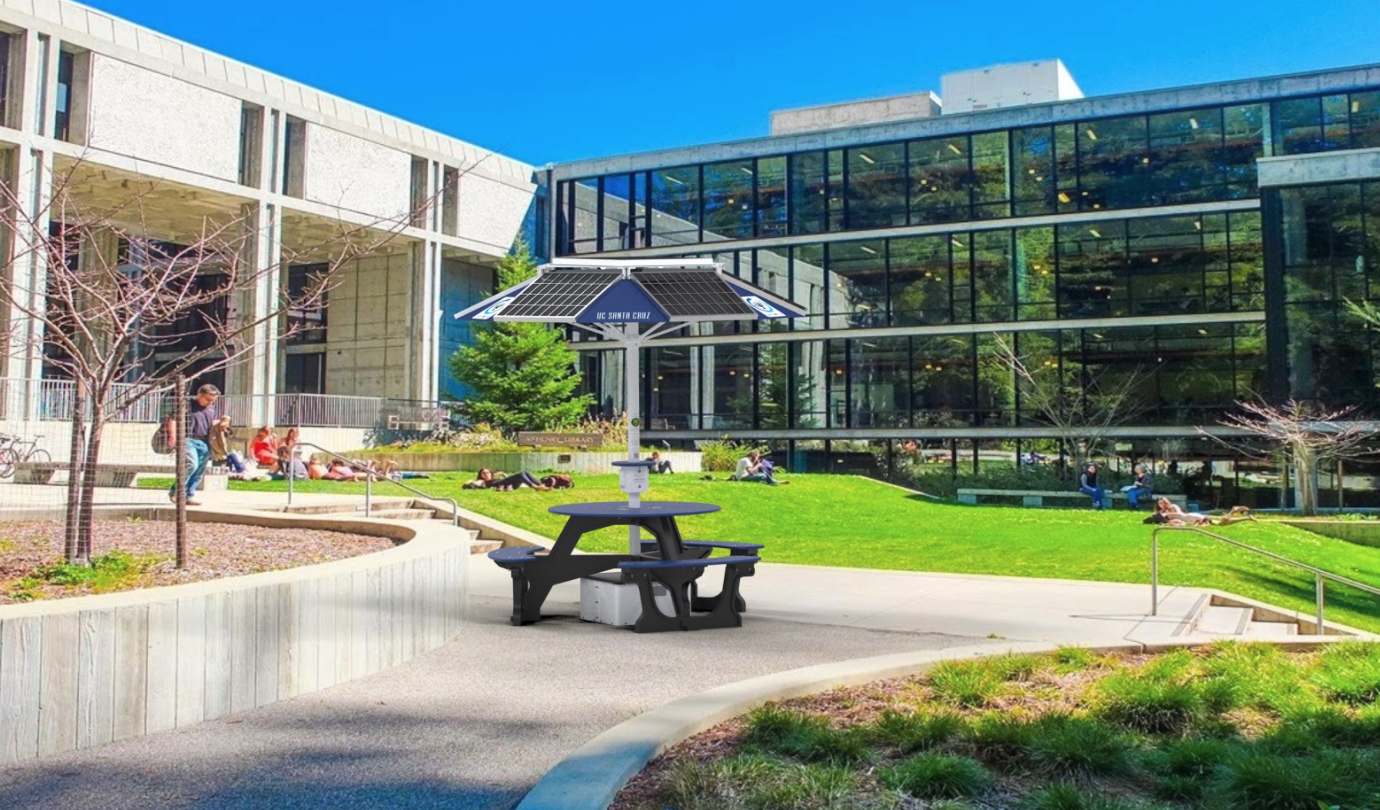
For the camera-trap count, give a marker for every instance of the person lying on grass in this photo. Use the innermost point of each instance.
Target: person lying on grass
(1170, 514)
(488, 480)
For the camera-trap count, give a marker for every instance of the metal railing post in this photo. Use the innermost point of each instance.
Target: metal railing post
(289, 473)
(1320, 587)
(368, 494)
(1155, 573)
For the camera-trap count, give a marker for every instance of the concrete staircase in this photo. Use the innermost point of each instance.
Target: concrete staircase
(399, 509)
(1216, 616)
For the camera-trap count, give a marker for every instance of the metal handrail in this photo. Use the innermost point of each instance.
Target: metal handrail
(1320, 577)
(369, 483)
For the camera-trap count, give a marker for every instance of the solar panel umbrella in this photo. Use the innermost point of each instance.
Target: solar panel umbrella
(614, 299)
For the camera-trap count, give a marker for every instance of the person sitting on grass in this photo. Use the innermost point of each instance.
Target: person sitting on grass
(1087, 484)
(220, 436)
(488, 480)
(659, 465)
(754, 468)
(264, 447)
(316, 468)
(283, 466)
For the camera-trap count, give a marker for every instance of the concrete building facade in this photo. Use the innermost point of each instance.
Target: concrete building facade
(105, 106)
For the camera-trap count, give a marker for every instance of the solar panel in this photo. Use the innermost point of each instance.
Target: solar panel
(560, 294)
(692, 293)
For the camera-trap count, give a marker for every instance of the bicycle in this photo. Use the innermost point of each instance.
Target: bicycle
(11, 455)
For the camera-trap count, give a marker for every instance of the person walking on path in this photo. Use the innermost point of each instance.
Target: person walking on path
(1087, 484)
(201, 415)
(1142, 487)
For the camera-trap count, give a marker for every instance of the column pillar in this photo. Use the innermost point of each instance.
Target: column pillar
(426, 298)
(256, 375)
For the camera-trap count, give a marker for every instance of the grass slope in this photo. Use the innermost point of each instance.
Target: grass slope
(856, 522)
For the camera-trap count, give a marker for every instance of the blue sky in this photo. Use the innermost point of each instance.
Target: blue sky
(560, 81)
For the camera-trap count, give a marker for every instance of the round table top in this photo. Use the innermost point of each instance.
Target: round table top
(645, 509)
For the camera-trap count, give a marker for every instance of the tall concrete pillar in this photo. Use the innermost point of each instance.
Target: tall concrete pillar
(426, 320)
(257, 373)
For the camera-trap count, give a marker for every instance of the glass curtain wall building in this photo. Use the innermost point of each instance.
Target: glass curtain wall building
(1197, 244)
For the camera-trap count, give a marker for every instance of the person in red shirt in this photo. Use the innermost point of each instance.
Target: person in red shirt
(264, 447)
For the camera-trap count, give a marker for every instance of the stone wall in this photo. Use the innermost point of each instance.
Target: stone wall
(78, 673)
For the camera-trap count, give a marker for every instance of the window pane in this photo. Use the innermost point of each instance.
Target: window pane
(1247, 260)
(1034, 271)
(939, 180)
(1166, 264)
(809, 193)
(1066, 167)
(730, 381)
(1034, 170)
(991, 176)
(942, 380)
(1114, 164)
(773, 386)
(676, 206)
(771, 196)
(1336, 127)
(880, 378)
(1186, 152)
(809, 388)
(857, 273)
(1243, 143)
(1298, 126)
(1365, 120)
(807, 280)
(992, 284)
(728, 200)
(877, 186)
(920, 280)
(1092, 268)
(671, 383)
(586, 214)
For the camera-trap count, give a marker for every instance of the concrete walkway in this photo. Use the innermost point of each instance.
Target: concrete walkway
(477, 722)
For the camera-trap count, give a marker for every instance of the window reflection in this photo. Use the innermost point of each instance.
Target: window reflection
(857, 273)
(728, 200)
(877, 186)
(939, 180)
(675, 198)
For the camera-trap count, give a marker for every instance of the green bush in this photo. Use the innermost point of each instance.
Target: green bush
(936, 776)
(721, 455)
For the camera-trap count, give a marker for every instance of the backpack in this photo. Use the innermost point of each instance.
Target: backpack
(160, 442)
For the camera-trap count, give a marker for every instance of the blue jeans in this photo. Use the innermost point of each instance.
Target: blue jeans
(663, 466)
(1099, 496)
(1134, 494)
(234, 464)
(198, 455)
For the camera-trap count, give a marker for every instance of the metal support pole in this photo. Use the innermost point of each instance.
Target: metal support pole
(368, 494)
(1319, 587)
(291, 450)
(1155, 574)
(634, 402)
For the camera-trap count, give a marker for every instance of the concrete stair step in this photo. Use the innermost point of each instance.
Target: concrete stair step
(1271, 630)
(1223, 621)
(403, 514)
(341, 508)
(484, 546)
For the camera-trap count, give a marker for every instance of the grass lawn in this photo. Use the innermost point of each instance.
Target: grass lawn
(856, 522)
(1229, 727)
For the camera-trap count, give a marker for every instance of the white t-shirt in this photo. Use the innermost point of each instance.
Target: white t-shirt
(741, 471)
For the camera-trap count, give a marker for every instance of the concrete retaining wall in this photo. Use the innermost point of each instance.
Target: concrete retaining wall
(1360, 532)
(77, 673)
(513, 462)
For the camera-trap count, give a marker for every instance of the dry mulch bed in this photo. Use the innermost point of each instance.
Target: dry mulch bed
(218, 550)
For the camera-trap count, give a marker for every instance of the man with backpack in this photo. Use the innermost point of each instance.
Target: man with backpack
(201, 418)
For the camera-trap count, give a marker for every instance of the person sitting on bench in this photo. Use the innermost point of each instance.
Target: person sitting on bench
(1087, 484)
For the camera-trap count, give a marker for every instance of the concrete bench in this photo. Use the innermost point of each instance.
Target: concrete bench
(1037, 497)
(107, 475)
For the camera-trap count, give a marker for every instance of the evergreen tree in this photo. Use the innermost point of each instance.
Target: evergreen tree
(523, 374)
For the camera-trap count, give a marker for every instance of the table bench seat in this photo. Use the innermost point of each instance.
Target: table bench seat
(691, 611)
(1037, 497)
(513, 556)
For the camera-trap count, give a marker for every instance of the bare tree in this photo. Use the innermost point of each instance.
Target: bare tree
(1308, 433)
(1081, 410)
(103, 319)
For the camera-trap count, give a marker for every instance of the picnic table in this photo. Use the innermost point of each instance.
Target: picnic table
(667, 560)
